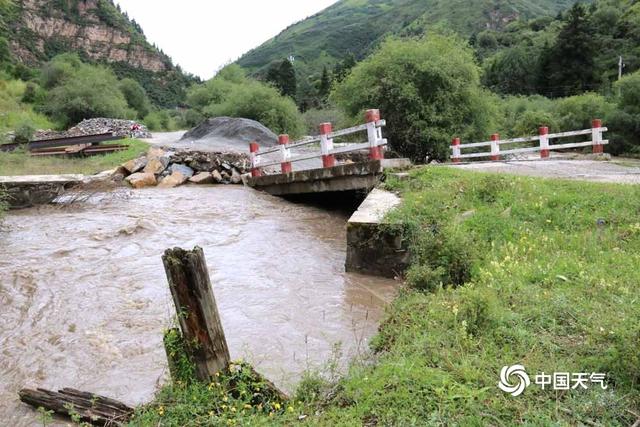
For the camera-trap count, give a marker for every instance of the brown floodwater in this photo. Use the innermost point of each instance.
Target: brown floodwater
(85, 299)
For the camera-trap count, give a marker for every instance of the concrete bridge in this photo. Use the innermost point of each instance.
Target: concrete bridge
(332, 174)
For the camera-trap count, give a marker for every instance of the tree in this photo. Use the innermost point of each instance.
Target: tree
(344, 67)
(283, 77)
(513, 71)
(570, 64)
(136, 96)
(325, 84)
(428, 90)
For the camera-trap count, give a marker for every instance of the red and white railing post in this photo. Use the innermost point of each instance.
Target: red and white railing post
(596, 134)
(326, 145)
(255, 161)
(495, 147)
(374, 135)
(455, 145)
(543, 132)
(285, 153)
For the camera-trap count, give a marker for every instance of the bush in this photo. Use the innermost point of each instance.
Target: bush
(576, 112)
(313, 117)
(425, 278)
(428, 90)
(159, 121)
(87, 93)
(523, 115)
(24, 133)
(136, 96)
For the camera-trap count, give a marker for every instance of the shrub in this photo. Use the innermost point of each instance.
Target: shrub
(576, 112)
(428, 90)
(425, 278)
(159, 121)
(88, 93)
(136, 96)
(523, 115)
(313, 117)
(24, 133)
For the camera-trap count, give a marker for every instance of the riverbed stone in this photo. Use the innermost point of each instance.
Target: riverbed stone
(184, 170)
(217, 177)
(141, 180)
(156, 165)
(173, 180)
(236, 178)
(202, 178)
(135, 165)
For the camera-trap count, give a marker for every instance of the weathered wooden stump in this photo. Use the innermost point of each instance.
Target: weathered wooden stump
(91, 408)
(197, 310)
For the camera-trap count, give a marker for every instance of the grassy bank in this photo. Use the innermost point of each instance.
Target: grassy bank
(506, 270)
(19, 162)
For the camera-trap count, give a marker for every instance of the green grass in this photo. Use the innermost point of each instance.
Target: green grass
(19, 162)
(512, 270)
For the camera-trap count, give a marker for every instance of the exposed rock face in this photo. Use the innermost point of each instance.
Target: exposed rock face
(93, 27)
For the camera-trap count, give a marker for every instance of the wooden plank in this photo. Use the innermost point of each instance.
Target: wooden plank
(91, 408)
(198, 315)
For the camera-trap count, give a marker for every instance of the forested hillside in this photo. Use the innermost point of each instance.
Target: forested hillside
(355, 26)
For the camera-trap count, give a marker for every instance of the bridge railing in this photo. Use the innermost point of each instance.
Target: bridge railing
(375, 143)
(544, 146)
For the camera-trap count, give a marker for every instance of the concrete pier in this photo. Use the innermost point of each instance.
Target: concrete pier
(375, 246)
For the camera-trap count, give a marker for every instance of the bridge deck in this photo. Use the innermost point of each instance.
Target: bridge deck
(352, 176)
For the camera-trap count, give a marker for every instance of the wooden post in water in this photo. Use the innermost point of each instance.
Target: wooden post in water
(197, 310)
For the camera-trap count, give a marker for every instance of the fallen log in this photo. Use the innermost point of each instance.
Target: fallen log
(88, 407)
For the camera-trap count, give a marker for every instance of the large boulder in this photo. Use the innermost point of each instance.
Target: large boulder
(173, 180)
(184, 170)
(156, 165)
(141, 180)
(135, 165)
(202, 178)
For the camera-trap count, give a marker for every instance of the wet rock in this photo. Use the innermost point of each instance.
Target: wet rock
(202, 178)
(156, 165)
(135, 165)
(173, 180)
(141, 180)
(236, 177)
(217, 177)
(185, 170)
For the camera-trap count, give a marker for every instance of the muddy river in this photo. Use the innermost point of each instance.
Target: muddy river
(85, 299)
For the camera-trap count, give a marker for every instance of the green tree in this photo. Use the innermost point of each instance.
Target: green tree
(325, 84)
(570, 65)
(428, 90)
(88, 93)
(283, 77)
(344, 67)
(625, 120)
(513, 71)
(136, 96)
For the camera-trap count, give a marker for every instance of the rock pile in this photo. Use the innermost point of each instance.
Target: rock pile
(168, 169)
(239, 130)
(97, 126)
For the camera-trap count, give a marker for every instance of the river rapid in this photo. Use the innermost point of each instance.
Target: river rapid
(85, 298)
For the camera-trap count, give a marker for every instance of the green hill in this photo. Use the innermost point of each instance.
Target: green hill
(355, 26)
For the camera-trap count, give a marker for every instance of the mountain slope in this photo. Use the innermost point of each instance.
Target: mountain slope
(355, 26)
(100, 33)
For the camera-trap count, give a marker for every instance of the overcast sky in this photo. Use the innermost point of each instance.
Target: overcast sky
(203, 35)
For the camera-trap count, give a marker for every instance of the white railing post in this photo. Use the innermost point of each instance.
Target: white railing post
(543, 131)
(285, 153)
(495, 147)
(326, 145)
(255, 161)
(456, 150)
(374, 135)
(596, 132)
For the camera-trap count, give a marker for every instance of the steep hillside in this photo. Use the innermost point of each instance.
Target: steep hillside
(100, 33)
(354, 26)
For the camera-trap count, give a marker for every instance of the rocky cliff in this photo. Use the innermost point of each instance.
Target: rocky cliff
(95, 29)
(38, 30)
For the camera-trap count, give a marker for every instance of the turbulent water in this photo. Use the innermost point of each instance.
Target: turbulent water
(85, 299)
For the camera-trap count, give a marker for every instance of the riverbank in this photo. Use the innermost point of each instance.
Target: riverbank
(19, 162)
(507, 271)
